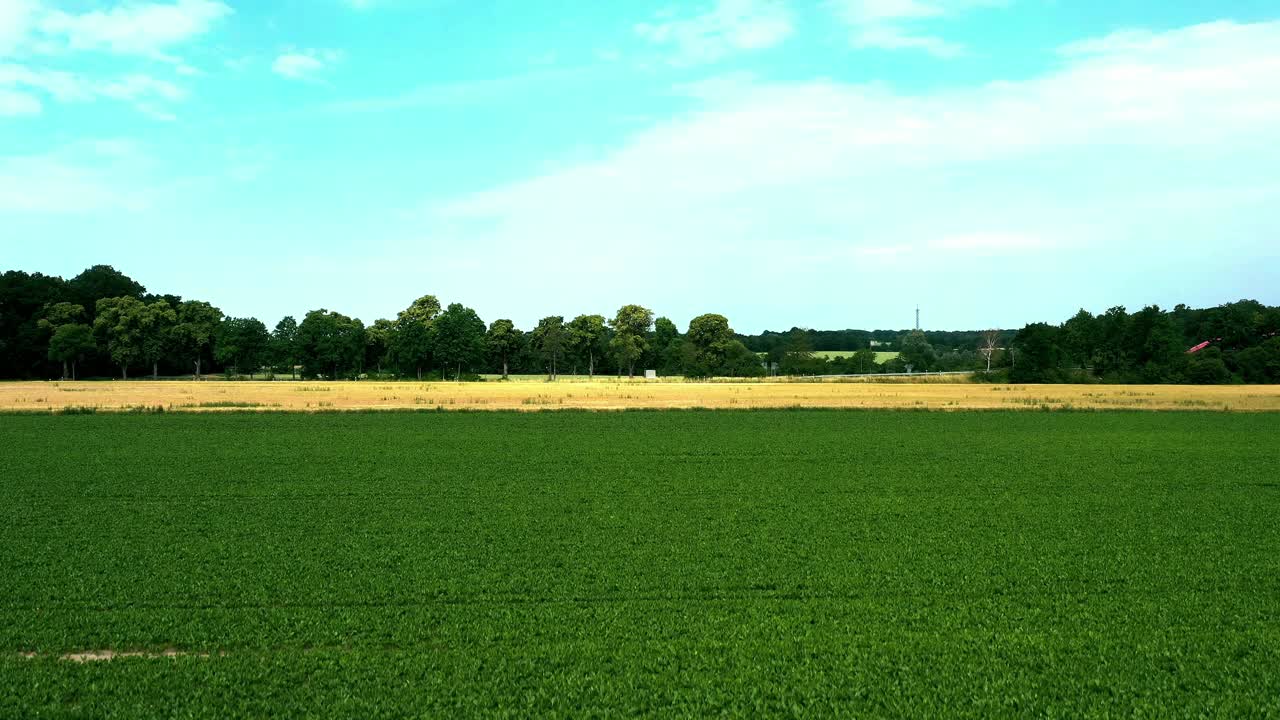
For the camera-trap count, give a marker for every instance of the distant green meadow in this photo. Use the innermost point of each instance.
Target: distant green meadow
(881, 357)
(816, 563)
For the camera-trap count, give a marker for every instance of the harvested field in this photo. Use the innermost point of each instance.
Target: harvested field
(935, 394)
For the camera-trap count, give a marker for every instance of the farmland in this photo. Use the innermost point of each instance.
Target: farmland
(694, 563)
(933, 393)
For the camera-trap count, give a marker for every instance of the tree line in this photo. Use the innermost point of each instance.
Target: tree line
(1236, 342)
(103, 323)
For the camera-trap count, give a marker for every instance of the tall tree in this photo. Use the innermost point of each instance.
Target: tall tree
(741, 362)
(23, 299)
(549, 340)
(377, 346)
(57, 316)
(194, 334)
(1111, 352)
(587, 339)
(459, 337)
(70, 343)
(413, 340)
(666, 347)
(424, 310)
(284, 346)
(1040, 354)
(158, 322)
(990, 343)
(917, 352)
(503, 342)
(330, 343)
(866, 360)
(99, 282)
(630, 336)
(797, 353)
(242, 343)
(119, 323)
(711, 338)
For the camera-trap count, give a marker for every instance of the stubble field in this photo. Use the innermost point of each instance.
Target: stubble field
(612, 394)
(817, 563)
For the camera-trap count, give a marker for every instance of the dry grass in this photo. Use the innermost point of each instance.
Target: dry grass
(215, 396)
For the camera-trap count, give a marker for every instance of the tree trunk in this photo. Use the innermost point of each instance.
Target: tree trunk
(419, 373)
(591, 367)
(197, 368)
(64, 369)
(73, 369)
(124, 371)
(155, 369)
(504, 367)
(459, 376)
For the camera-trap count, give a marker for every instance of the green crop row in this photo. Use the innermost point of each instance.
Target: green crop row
(690, 563)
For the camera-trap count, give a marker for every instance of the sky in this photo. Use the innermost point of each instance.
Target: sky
(814, 163)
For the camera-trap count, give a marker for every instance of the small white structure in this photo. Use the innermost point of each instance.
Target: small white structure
(650, 374)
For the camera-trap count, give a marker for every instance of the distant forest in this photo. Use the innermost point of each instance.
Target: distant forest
(101, 323)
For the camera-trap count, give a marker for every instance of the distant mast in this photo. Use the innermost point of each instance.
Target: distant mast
(917, 317)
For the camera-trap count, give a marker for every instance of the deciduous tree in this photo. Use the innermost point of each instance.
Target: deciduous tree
(330, 342)
(548, 340)
(588, 338)
(242, 343)
(119, 323)
(630, 335)
(503, 342)
(284, 346)
(459, 337)
(194, 334)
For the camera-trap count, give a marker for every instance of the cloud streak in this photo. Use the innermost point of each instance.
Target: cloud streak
(1078, 161)
(727, 27)
(895, 24)
(304, 64)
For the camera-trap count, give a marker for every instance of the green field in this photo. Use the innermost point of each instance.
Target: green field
(881, 357)
(810, 563)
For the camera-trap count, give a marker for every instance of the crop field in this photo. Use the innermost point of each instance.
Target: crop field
(881, 356)
(932, 393)
(814, 563)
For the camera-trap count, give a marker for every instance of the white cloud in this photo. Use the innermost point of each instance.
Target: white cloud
(15, 21)
(991, 241)
(893, 24)
(304, 64)
(726, 27)
(84, 177)
(14, 103)
(148, 94)
(136, 28)
(1088, 158)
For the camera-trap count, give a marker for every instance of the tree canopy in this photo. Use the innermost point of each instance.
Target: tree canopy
(102, 323)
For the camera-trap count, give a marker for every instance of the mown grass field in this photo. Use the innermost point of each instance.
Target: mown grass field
(815, 563)
(933, 393)
(881, 356)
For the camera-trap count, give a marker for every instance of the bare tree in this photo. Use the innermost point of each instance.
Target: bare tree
(990, 343)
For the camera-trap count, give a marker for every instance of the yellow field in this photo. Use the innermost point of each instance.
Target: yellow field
(612, 395)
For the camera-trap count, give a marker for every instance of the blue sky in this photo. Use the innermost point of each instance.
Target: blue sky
(822, 163)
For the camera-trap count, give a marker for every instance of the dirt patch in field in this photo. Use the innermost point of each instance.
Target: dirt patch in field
(88, 656)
